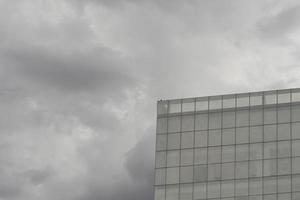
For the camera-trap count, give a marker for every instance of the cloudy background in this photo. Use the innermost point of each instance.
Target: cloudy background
(79, 81)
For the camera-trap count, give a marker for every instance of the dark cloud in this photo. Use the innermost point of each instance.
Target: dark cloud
(79, 81)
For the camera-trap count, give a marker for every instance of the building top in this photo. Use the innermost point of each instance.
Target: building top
(228, 101)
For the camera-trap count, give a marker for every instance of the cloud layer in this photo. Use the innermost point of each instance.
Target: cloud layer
(79, 81)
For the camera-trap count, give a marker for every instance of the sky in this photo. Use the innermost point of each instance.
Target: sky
(80, 79)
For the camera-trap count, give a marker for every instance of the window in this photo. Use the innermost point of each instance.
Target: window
(284, 96)
(242, 118)
(228, 119)
(202, 104)
(227, 171)
(270, 167)
(255, 186)
(295, 95)
(160, 176)
(214, 154)
(270, 150)
(213, 189)
(201, 139)
(255, 168)
(161, 125)
(186, 174)
(173, 158)
(284, 149)
(296, 148)
(159, 193)
(174, 141)
(187, 140)
(161, 142)
(187, 156)
(229, 101)
(160, 159)
(270, 133)
(241, 170)
(186, 192)
(162, 107)
(188, 105)
(187, 123)
(173, 124)
(256, 151)
(215, 103)
(174, 106)
(256, 99)
(283, 131)
(228, 153)
(201, 156)
(214, 137)
(284, 166)
(296, 113)
(256, 134)
(256, 117)
(296, 183)
(200, 173)
(201, 122)
(214, 120)
(228, 136)
(227, 189)
(296, 165)
(269, 115)
(295, 130)
(241, 187)
(172, 192)
(284, 184)
(172, 175)
(270, 97)
(214, 172)
(242, 135)
(242, 100)
(270, 185)
(242, 152)
(199, 190)
(283, 114)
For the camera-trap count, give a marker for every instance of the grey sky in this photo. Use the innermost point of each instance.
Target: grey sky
(79, 81)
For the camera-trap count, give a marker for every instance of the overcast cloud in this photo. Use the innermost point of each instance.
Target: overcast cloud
(79, 81)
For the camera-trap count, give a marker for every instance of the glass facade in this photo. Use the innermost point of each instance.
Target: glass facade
(242, 146)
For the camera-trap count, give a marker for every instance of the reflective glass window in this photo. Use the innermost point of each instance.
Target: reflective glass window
(296, 113)
(296, 183)
(172, 192)
(256, 117)
(173, 158)
(200, 156)
(161, 142)
(160, 176)
(213, 189)
(187, 140)
(270, 115)
(200, 173)
(214, 154)
(160, 159)
(270, 133)
(242, 135)
(174, 124)
(188, 105)
(228, 136)
(187, 123)
(295, 95)
(159, 193)
(241, 170)
(242, 118)
(174, 141)
(284, 131)
(256, 134)
(284, 149)
(186, 192)
(214, 120)
(242, 152)
(162, 107)
(186, 174)
(214, 172)
(270, 184)
(255, 168)
(172, 175)
(296, 130)
(284, 184)
(214, 137)
(270, 97)
(228, 171)
(270, 150)
(228, 119)
(284, 96)
(229, 101)
(228, 153)
(201, 122)
(296, 148)
(296, 165)
(284, 166)
(161, 125)
(201, 104)
(200, 138)
(256, 99)
(241, 187)
(187, 157)
(283, 114)
(255, 186)
(174, 106)
(227, 189)
(256, 151)
(199, 190)
(215, 103)
(270, 168)
(242, 100)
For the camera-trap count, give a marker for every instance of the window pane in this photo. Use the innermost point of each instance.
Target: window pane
(201, 122)
(286, 196)
(186, 174)
(162, 107)
(296, 148)
(201, 139)
(199, 190)
(186, 192)
(172, 175)
(295, 113)
(161, 142)
(174, 106)
(270, 150)
(270, 97)
(242, 135)
(284, 184)
(187, 122)
(295, 130)
(173, 158)
(214, 172)
(296, 165)
(283, 114)
(284, 96)
(214, 154)
(215, 103)
(255, 186)
(161, 125)
(270, 167)
(227, 189)
(188, 105)
(256, 117)
(284, 166)
(174, 141)
(241, 187)
(187, 140)
(173, 124)
(214, 137)
(172, 192)
(270, 133)
(201, 104)
(228, 171)
(284, 131)
(214, 120)
(256, 134)
(284, 149)
(160, 176)
(187, 157)
(160, 159)
(242, 100)
(228, 136)
(270, 185)
(295, 95)
(213, 189)
(255, 168)
(296, 182)
(159, 193)
(200, 173)
(241, 170)
(229, 101)
(201, 156)
(242, 152)
(256, 99)
(269, 115)
(256, 151)
(228, 119)
(228, 153)
(242, 118)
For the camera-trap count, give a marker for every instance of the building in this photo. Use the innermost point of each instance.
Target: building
(240, 146)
